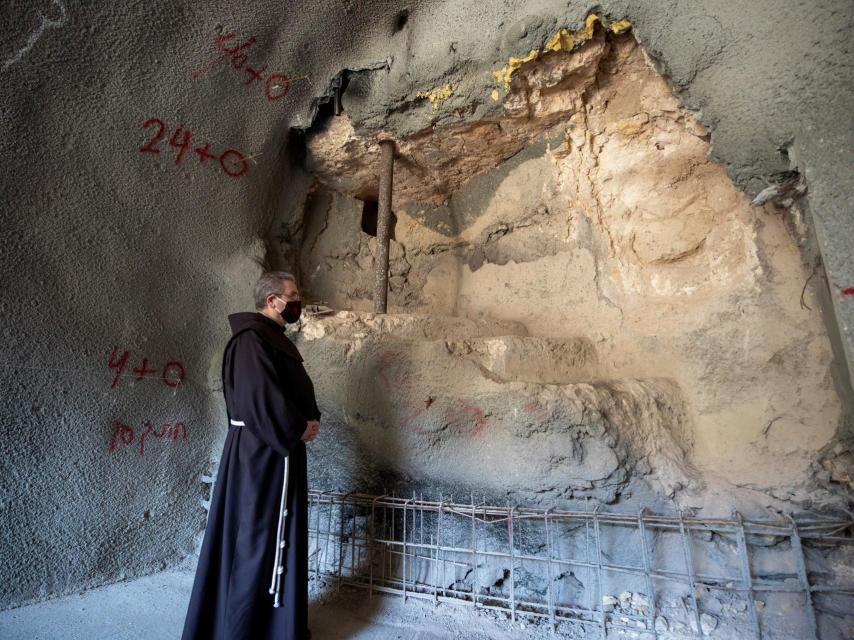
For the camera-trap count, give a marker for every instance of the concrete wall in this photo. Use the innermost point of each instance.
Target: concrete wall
(108, 249)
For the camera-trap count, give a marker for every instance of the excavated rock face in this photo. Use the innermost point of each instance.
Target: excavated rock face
(434, 164)
(664, 333)
(482, 412)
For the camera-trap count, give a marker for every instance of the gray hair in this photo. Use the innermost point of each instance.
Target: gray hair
(270, 282)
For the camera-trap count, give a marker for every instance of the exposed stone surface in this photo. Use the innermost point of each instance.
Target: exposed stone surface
(433, 164)
(708, 623)
(611, 237)
(448, 412)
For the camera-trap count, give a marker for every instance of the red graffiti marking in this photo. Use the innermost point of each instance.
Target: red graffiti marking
(536, 409)
(254, 75)
(848, 292)
(149, 147)
(120, 431)
(238, 55)
(395, 373)
(275, 82)
(124, 434)
(185, 142)
(276, 85)
(119, 364)
(204, 153)
(459, 414)
(235, 171)
(172, 373)
(143, 370)
(479, 418)
(233, 162)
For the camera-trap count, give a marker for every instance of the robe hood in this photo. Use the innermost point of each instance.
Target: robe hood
(270, 330)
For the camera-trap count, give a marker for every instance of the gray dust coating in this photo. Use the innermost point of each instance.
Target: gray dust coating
(106, 246)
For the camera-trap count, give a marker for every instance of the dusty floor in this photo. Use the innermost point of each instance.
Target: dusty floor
(153, 608)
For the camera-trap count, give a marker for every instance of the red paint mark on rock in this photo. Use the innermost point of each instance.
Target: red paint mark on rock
(275, 86)
(233, 162)
(204, 153)
(848, 291)
(254, 75)
(235, 168)
(479, 418)
(126, 435)
(172, 373)
(151, 145)
(534, 408)
(141, 371)
(119, 364)
(121, 433)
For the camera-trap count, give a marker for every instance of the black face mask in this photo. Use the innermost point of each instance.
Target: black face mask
(292, 310)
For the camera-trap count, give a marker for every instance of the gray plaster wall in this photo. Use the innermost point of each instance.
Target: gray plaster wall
(104, 246)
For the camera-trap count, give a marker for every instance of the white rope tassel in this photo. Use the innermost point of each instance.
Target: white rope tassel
(278, 567)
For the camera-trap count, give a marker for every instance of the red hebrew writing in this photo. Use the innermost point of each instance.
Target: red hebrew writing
(172, 373)
(233, 162)
(234, 50)
(124, 435)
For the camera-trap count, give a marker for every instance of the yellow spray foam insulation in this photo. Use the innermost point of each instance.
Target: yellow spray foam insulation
(563, 40)
(436, 95)
(620, 26)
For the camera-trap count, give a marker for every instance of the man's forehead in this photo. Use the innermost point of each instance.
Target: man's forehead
(289, 286)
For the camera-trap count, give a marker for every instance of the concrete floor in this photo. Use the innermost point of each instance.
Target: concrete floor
(153, 608)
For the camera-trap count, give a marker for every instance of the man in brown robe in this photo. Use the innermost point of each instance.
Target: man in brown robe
(272, 414)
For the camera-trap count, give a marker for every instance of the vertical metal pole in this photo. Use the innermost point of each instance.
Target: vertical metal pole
(797, 549)
(353, 540)
(600, 576)
(512, 570)
(385, 545)
(551, 551)
(328, 534)
(439, 544)
(746, 575)
(317, 527)
(342, 549)
(473, 554)
(372, 533)
(588, 574)
(383, 223)
(689, 567)
(403, 573)
(650, 616)
(310, 511)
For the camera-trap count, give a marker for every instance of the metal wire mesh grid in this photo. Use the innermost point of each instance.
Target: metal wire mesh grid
(435, 550)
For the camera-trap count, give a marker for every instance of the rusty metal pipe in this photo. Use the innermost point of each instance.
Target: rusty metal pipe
(383, 223)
